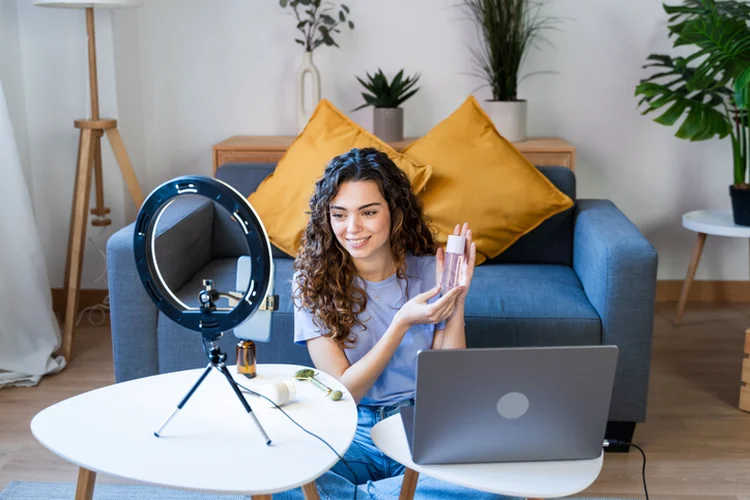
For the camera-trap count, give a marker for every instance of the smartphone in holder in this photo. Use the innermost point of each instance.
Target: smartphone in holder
(258, 326)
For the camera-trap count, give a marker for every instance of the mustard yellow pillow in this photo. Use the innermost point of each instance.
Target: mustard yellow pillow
(283, 197)
(481, 178)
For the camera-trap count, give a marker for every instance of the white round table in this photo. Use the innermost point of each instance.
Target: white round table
(210, 445)
(705, 222)
(522, 479)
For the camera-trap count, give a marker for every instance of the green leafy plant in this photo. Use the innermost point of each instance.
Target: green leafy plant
(318, 21)
(709, 87)
(383, 94)
(507, 29)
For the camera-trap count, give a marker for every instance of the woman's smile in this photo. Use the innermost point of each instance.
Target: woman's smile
(358, 242)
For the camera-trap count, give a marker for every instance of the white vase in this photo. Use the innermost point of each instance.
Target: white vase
(509, 118)
(303, 114)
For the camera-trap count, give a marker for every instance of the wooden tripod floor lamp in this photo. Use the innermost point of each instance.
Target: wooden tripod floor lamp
(90, 159)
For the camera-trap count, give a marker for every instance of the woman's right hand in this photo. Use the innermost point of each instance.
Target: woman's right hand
(418, 311)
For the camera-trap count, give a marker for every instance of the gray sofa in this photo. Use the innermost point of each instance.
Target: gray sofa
(585, 276)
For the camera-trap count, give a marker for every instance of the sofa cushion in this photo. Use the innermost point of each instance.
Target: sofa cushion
(529, 304)
(479, 177)
(509, 305)
(552, 241)
(245, 178)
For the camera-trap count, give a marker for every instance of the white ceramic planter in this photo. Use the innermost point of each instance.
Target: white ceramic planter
(304, 114)
(509, 118)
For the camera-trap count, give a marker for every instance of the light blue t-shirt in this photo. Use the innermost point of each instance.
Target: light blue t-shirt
(384, 299)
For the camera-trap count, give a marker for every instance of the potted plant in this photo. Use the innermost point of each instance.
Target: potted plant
(507, 29)
(709, 87)
(318, 22)
(386, 97)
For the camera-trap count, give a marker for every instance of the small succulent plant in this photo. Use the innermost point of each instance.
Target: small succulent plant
(383, 94)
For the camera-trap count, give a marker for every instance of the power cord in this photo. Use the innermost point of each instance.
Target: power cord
(607, 442)
(101, 310)
(346, 462)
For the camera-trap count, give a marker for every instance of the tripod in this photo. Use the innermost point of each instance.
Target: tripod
(90, 158)
(216, 359)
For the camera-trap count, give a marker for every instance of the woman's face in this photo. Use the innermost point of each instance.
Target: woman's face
(361, 220)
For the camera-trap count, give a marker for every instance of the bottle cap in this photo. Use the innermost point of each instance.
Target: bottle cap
(456, 244)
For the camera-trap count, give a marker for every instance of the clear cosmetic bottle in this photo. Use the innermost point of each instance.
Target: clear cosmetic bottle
(454, 257)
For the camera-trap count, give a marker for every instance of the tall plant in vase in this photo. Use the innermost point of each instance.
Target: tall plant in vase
(318, 23)
(708, 87)
(507, 29)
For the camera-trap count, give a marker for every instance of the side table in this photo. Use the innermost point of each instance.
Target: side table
(270, 149)
(211, 445)
(705, 222)
(533, 480)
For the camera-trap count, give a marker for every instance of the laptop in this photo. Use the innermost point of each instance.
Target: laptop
(510, 404)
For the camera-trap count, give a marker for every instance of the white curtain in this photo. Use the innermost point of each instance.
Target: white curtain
(29, 331)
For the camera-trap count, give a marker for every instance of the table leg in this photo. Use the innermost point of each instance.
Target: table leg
(85, 487)
(409, 485)
(310, 491)
(697, 251)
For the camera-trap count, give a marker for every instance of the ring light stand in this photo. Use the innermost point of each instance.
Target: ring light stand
(208, 319)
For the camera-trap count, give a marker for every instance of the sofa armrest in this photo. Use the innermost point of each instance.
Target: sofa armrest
(183, 243)
(617, 268)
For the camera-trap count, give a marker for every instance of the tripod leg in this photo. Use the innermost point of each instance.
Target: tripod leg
(118, 147)
(244, 402)
(185, 399)
(78, 239)
(70, 227)
(99, 210)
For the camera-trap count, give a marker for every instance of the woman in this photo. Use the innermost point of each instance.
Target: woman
(367, 297)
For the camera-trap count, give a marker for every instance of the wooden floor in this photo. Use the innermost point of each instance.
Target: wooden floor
(696, 439)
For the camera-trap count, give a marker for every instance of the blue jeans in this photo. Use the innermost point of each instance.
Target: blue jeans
(365, 461)
(376, 476)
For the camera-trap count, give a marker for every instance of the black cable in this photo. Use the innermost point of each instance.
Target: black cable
(346, 462)
(643, 470)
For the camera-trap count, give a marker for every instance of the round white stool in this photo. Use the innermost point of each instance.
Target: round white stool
(705, 222)
(533, 480)
(211, 445)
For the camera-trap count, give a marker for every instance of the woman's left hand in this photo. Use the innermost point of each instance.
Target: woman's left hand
(467, 265)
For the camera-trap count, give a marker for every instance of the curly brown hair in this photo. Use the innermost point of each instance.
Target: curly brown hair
(325, 277)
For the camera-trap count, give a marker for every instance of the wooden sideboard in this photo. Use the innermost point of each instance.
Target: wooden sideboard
(270, 149)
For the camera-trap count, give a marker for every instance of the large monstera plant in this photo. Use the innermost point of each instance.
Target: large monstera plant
(709, 87)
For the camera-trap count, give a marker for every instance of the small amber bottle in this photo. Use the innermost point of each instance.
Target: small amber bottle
(246, 358)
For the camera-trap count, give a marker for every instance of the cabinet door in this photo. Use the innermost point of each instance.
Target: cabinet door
(553, 159)
(223, 157)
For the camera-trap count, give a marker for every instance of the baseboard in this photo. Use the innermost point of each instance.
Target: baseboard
(86, 298)
(705, 291)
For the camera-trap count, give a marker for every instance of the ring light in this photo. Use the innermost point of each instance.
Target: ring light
(208, 319)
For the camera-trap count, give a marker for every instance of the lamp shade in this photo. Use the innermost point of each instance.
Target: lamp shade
(99, 4)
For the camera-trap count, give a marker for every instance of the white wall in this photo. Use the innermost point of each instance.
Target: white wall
(53, 54)
(185, 74)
